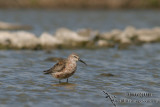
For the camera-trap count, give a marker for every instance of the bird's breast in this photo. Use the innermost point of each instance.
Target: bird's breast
(69, 70)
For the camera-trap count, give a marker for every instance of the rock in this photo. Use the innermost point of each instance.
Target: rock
(126, 36)
(70, 38)
(102, 43)
(19, 39)
(156, 30)
(48, 40)
(148, 38)
(91, 34)
(9, 26)
(148, 35)
(68, 35)
(85, 38)
(110, 35)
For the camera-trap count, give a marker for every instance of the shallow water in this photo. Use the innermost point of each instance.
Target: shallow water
(117, 72)
(102, 20)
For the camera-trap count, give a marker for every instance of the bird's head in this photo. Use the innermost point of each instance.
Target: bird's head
(75, 57)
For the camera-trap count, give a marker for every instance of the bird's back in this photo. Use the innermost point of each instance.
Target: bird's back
(58, 67)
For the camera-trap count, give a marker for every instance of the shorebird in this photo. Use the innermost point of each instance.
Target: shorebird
(64, 68)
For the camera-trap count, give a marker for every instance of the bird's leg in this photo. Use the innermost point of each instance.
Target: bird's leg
(59, 81)
(67, 80)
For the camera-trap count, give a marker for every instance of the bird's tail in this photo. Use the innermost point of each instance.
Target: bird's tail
(47, 71)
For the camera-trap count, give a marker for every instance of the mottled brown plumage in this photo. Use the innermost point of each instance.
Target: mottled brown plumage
(57, 67)
(64, 68)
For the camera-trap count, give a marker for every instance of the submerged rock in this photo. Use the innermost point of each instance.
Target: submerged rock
(107, 75)
(9, 26)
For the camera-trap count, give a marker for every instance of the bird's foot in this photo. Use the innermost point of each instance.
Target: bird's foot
(67, 80)
(59, 81)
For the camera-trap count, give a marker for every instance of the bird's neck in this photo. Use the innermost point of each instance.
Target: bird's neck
(71, 63)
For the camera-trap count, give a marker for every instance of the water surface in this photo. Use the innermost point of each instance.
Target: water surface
(118, 72)
(102, 20)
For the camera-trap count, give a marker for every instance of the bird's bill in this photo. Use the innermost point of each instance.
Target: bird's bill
(82, 61)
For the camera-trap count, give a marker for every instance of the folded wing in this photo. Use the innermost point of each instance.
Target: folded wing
(58, 67)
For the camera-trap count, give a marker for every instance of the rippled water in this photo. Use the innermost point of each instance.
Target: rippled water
(102, 20)
(118, 72)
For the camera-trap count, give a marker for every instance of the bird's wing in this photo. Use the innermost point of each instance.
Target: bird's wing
(57, 67)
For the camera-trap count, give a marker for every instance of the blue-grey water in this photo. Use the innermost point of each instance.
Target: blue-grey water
(102, 20)
(118, 72)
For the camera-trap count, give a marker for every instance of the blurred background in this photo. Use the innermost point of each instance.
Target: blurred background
(80, 4)
(104, 15)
